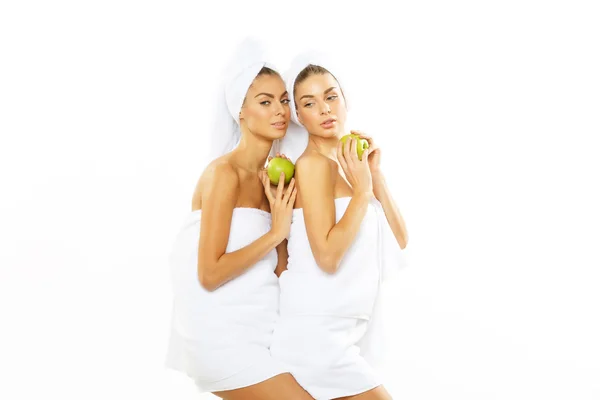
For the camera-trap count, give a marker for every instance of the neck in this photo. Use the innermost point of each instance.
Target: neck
(252, 151)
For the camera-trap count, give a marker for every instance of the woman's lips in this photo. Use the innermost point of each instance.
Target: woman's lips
(328, 123)
(279, 125)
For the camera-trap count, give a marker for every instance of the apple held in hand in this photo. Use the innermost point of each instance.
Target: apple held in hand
(276, 166)
(361, 145)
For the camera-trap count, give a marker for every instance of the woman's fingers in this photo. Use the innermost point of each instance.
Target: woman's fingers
(365, 157)
(289, 191)
(267, 185)
(354, 151)
(342, 158)
(363, 135)
(292, 198)
(280, 186)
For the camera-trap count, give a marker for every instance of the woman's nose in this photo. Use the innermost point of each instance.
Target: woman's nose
(279, 108)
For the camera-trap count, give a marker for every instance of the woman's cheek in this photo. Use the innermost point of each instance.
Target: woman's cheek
(312, 117)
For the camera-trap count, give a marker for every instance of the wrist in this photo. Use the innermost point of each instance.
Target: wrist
(377, 177)
(366, 194)
(274, 237)
(378, 181)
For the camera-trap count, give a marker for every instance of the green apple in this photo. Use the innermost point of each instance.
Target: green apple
(276, 166)
(361, 145)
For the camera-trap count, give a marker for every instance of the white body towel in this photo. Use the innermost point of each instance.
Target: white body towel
(221, 339)
(329, 332)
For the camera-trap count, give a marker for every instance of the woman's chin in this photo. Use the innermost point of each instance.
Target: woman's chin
(329, 133)
(274, 134)
(279, 134)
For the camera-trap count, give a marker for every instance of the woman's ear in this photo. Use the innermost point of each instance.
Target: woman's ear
(241, 114)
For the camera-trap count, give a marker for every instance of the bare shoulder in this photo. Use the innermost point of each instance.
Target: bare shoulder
(313, 162)
(220, 168)
(219, 175)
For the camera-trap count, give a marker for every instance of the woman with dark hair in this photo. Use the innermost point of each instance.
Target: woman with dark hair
(225, 259)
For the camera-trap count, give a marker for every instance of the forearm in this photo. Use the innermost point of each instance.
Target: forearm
(342, 235)
(231, 265)
(392, 213)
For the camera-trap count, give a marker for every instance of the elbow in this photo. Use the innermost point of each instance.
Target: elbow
(207, 283)
(328, 263)
(404, 241)
(207, 280)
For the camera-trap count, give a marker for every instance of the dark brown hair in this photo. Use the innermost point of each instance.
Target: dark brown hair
(309, 71)
(267, 71)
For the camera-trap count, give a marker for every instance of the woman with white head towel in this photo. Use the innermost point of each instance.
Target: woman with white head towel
(347, 235)
(225, 258)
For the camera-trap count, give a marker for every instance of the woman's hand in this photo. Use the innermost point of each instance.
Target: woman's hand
(274, 187)
(357, 171)
(374, 151)
(282, 204)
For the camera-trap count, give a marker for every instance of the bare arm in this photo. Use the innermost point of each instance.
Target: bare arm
(329, 240)
(215, 266)
(383, 194)
(282, 258)
(392, 213)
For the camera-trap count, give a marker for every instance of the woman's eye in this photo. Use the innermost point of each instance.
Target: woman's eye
(332, 97)
(308, 104)
(285, 101)
(265, 103)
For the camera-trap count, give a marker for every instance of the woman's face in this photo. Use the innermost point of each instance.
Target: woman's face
(320, 105)
(266, 110)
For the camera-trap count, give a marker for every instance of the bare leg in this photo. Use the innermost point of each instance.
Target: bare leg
(282, 386)
(378, 393)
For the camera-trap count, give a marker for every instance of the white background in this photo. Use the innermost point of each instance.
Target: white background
(487, 114)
